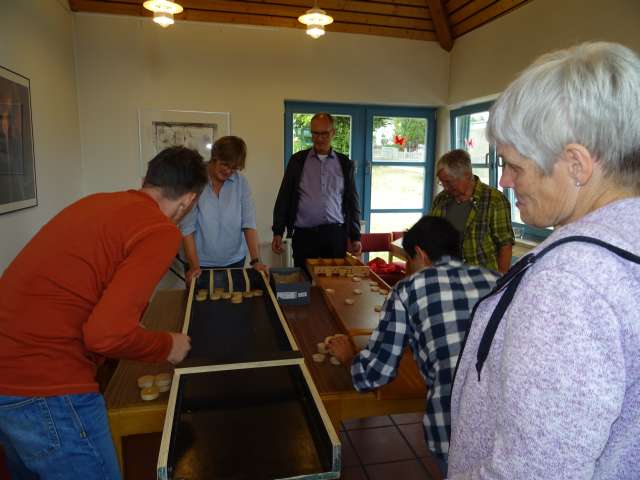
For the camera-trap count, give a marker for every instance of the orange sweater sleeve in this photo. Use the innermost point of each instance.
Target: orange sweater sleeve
(113, 328)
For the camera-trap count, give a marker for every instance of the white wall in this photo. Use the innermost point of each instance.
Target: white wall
(36, 41)
(485, 61)
(125, 64)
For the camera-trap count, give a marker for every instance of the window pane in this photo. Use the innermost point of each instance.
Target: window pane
(482, 173)
(399, 139)
(393, 222)
(397, 187)
(302, 132)
(470, 135)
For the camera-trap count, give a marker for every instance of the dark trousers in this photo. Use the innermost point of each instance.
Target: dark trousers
(324, 241)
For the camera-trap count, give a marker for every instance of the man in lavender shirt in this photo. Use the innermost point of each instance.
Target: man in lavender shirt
(318, 203)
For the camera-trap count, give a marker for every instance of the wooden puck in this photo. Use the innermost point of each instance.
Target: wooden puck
(236, 299)
(334, 361)
(318, 357)
(226, 295)
(162, 380)
(349, 301)
(322, 347)
(357, 291)
(145, 381)
(216, 296)
(202, 295)
(149, 393)
(257, 293)
(355, 279)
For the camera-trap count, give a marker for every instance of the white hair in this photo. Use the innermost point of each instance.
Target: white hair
(588, 94)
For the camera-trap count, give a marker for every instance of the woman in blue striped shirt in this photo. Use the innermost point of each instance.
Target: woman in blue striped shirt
(221, 228)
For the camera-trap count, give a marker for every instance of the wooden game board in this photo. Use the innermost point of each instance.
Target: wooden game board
(360, 318)
(222, 331)
(259, 420)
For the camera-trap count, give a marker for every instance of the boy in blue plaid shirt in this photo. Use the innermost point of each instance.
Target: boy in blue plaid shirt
(430, 312)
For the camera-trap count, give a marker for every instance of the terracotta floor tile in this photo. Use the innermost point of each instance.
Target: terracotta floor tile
(407, 470)
(349, 457)
(353, 473)
(367, 422)
(414, 434)
(375, 445)
(404, 418)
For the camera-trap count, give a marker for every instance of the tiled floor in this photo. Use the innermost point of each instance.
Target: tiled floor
(373, 448)
(386, 448)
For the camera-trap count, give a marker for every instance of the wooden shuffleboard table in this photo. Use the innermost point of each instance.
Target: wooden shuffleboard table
(304, 327)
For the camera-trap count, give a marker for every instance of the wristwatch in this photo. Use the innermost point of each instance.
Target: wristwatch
(254, 261)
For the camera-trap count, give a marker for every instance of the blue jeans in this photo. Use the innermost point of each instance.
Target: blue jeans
(63, 437)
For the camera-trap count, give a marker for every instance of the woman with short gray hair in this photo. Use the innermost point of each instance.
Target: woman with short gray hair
(548, 384)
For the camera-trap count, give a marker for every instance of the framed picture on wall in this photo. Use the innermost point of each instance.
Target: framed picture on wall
(17, 160)
(160, 129)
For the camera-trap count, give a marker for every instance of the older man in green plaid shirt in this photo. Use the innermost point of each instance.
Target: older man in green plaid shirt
(479, 212)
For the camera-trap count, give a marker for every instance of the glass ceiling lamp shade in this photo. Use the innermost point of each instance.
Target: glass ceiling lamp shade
(163, 11)
(315, 19)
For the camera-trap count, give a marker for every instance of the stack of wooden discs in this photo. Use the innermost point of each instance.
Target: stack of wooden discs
(323, 351)
(152, 385)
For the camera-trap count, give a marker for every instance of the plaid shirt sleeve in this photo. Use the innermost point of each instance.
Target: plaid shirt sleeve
(500, 218)
(377, 364)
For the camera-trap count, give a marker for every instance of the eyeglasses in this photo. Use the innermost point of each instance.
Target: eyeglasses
(324, 133)
(228, 166)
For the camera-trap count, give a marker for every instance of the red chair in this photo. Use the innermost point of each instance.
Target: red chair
(380, 242)
(375, 242)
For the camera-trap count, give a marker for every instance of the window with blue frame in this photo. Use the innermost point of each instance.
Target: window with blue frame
(468, 127)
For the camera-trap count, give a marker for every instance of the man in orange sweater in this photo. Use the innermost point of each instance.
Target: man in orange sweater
(75, 294)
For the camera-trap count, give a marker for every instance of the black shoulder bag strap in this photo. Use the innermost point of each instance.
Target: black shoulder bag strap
(509, 283)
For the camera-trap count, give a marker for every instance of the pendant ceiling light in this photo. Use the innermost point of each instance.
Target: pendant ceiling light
(163, 11)
(315, 19)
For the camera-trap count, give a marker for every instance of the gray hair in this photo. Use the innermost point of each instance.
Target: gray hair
(588, 94)
(457, 163)
(326, 115)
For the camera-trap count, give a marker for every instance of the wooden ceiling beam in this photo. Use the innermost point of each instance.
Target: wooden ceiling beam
(100, 6)
(453, 5)
(469, 10)
(274, 10)
(134, 9)
(207, 16)
(380, 8)
(441, 24)
(350, 6)
(488, 14)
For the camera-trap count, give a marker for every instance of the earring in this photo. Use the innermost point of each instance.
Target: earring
(578, 184)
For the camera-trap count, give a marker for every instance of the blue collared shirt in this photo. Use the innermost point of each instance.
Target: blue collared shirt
(321, 189)
(217, 222)
(428, 311)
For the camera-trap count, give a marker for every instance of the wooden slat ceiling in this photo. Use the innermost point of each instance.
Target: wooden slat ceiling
(427, 20)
